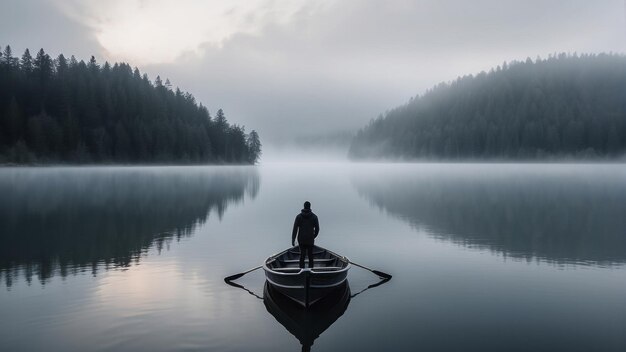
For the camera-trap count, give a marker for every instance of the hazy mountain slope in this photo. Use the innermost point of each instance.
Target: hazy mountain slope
(559, 107)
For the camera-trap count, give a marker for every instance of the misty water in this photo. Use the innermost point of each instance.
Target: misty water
(484, 257)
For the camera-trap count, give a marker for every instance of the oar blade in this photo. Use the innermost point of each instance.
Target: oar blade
(236, 276)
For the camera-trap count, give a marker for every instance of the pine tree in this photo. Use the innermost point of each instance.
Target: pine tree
(43, 66)
(8, 59)
(254, 147)
(220, 120)
(61, 65)
(26, 63)
(93, 65)
(157, 82)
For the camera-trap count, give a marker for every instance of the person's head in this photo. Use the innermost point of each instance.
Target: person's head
(307, 205)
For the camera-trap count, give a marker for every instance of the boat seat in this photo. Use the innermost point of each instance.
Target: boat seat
(325, 260)
(329, 268)
(321, 268)
(314, 251)
(285, 269)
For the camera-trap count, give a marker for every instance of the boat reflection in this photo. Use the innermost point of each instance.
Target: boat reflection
(307, 324)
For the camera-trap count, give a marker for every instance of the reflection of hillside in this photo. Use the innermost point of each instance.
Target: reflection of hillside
(55, 221)
(561, 214)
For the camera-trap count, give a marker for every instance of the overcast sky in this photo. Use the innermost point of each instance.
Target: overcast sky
(293, 67)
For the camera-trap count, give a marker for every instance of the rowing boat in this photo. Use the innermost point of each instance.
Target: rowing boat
(306, 286)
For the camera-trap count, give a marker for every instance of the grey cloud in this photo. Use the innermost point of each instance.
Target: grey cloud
(339, 66)
(36, 24)
(343, 66)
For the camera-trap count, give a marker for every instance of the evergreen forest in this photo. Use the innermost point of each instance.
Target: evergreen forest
(565, 106)
(60, 110)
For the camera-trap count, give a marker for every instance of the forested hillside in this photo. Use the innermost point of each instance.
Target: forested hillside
(563, 106)
(64, 110)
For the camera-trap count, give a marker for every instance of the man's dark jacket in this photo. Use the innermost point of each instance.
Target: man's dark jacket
(308, 227)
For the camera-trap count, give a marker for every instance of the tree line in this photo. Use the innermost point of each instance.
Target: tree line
(563, 106)
(65, 110)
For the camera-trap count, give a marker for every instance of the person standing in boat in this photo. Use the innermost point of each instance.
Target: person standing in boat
(305, 227)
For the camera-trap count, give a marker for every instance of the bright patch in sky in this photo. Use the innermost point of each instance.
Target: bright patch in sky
(160, 31)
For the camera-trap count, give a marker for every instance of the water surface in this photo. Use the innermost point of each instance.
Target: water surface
(485, 257)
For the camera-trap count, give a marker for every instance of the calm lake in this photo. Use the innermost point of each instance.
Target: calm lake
(484, 257)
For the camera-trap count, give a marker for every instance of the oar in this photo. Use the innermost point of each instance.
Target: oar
(236, 276)
(379, 273)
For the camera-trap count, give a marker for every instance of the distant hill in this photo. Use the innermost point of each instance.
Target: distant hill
(563, 106)
(64, 110)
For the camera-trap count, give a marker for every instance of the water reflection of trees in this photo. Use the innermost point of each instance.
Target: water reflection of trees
(557, 214)
(62, 221)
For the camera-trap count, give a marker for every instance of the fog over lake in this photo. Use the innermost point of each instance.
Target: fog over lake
(466, 161)
(485, 257)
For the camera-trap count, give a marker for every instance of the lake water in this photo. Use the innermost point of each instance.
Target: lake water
(484, 257)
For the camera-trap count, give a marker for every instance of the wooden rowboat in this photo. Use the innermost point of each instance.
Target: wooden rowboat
(308, 285)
